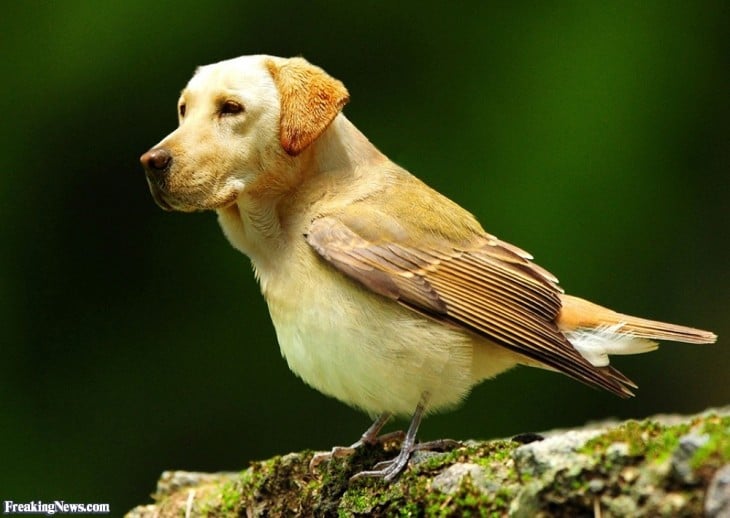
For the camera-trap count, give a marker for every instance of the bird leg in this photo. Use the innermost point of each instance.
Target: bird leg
(371, 434)
(370, 437)
(390, 469)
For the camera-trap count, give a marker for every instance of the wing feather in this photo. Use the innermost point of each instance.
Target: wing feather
(488, 287)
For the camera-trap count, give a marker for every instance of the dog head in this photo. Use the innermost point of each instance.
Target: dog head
(241, 121)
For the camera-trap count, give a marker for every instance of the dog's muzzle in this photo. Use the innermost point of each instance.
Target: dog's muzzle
(156, 163)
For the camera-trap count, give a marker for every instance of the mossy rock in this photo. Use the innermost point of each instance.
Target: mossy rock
(661, 466)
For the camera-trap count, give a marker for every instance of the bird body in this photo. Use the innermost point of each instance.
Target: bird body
(337, 335)
(371, 351)
(384, 293)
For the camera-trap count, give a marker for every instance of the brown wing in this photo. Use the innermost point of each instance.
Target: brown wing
(488, 287)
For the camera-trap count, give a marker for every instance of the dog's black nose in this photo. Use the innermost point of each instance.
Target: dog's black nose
(156, 159)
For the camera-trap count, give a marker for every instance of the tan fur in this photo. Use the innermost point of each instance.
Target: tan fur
(310, 99)
(380, 288)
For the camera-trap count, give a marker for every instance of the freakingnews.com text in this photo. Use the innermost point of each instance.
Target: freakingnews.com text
(51, 508)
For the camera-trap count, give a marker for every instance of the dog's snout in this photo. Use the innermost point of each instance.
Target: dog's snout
(156, 159)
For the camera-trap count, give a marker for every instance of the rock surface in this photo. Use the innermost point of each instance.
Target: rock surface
(662, 466)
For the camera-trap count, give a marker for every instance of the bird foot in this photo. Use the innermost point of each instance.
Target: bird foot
(438, 445)
(388, 470)
(339, 452)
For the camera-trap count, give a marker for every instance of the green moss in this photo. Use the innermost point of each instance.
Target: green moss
(645, 439)
(484, 454)
(412, 495)
(649, 446)
(230, 496)
(638, 474)
(468, 500)
(716, 451)
(288, 478)
(656, 443)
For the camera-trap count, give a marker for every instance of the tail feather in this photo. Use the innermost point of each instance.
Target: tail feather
(596, 345)
(597, 332)
(579, 314)
(643, 328)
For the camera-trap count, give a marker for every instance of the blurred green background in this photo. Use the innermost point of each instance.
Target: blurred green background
(594, 135)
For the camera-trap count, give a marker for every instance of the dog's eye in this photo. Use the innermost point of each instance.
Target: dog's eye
(231, 108)
(181, 109)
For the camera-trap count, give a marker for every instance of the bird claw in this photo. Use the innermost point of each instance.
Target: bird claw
(438, 445)
(338, 452)
(388, 470)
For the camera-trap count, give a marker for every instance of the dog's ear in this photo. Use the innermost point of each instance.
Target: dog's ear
(310, 99)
